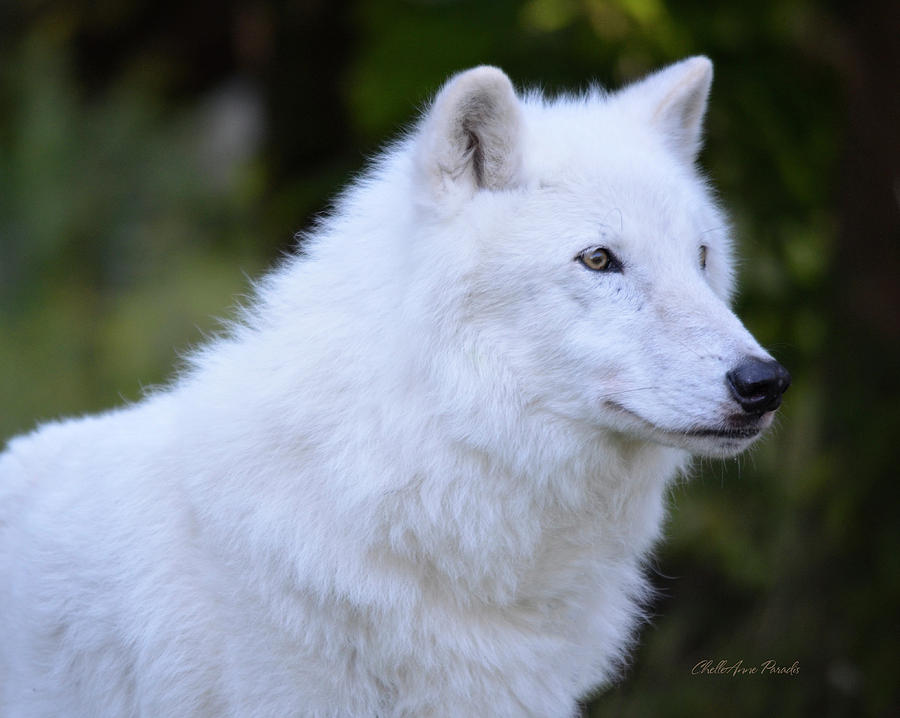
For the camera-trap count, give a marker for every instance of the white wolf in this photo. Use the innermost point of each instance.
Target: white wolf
(419, 477)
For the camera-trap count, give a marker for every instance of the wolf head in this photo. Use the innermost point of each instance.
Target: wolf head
(597, 267)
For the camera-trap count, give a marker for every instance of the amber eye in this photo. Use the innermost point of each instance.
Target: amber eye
(599, 259)
(703, 256)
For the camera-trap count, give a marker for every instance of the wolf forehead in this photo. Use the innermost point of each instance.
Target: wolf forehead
(574, 138)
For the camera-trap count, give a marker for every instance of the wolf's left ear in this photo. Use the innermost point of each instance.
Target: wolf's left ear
(470, 138)
(674, 101)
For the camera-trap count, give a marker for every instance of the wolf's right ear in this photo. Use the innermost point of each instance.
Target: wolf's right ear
(470, 137)
(673, 100)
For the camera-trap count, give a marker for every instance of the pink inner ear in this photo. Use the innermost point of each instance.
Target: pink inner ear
(680, 113)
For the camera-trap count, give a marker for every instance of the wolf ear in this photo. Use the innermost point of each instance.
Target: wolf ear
(674, 101)
(470, 137)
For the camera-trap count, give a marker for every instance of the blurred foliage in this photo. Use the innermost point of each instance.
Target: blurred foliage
(155, 155)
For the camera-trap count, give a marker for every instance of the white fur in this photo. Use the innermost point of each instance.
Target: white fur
(419, 478)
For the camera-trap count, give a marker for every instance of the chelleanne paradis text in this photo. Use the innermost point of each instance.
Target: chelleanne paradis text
(770, 667)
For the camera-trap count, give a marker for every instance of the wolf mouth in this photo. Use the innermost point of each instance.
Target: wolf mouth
(748, 431)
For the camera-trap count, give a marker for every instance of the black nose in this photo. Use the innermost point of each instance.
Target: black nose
(757, 384)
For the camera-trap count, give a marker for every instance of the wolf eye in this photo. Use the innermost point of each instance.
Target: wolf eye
(599, 259)
(703, 251)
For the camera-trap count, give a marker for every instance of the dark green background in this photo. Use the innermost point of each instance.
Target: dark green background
(128, 219)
